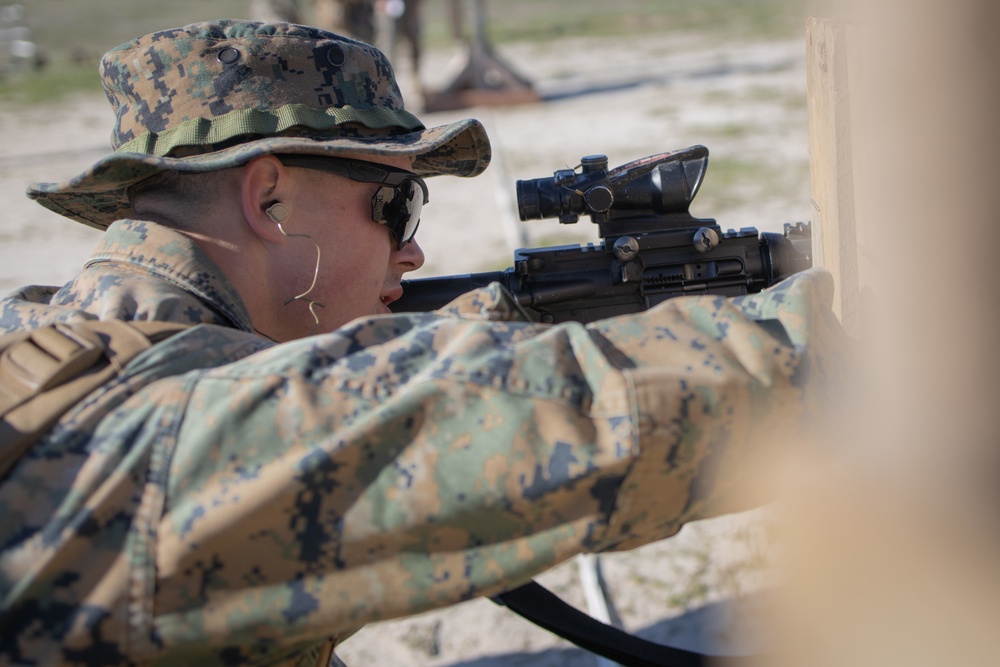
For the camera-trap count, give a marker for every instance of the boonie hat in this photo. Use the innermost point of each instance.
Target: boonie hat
(215, 95)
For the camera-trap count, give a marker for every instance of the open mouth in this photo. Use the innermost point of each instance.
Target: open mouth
(391, 295)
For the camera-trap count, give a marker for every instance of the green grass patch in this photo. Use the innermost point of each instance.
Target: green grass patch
(49, 84)
(724, 96)
(85, 29)
(790, 100)
(724, 131)
(732, 182)
(515, 20)
(72, 34)
(729, 181)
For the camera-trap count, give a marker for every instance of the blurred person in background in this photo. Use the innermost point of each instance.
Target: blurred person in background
(401, 21)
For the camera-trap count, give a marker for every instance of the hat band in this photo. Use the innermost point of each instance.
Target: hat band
(241, 122)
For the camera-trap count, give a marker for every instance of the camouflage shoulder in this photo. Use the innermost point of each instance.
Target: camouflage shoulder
(493, 303)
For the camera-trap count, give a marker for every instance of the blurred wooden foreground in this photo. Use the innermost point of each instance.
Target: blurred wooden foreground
(894, 539)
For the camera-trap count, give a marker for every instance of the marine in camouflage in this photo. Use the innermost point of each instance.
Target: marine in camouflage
(227, 500)
(232, 501)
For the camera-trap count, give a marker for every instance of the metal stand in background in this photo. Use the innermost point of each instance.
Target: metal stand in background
(596, 595)
(485, 80)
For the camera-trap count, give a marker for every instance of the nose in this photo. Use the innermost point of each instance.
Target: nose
(410, 257)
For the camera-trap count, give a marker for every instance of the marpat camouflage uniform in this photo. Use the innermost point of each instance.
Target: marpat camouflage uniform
(232, 501)
(228, 500)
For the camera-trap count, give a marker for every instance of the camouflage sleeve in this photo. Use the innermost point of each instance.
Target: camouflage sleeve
(409, 462)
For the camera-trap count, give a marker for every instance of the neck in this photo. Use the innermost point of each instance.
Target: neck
(250, 266)
(244, 262)
(239, 255)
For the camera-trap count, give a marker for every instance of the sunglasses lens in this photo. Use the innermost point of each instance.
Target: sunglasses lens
(399, 209)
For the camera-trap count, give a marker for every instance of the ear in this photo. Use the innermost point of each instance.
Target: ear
(262, 184)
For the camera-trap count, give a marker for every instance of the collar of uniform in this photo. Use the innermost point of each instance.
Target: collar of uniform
(171, 256)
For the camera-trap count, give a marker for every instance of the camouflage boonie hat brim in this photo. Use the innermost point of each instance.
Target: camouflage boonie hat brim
(215, 95)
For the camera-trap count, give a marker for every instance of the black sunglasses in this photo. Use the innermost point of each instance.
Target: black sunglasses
(397, 205)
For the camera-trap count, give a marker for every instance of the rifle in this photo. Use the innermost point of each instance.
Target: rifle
(652, 248)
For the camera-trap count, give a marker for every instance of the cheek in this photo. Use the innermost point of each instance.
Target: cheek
(359, 269)
(357, 266)
(355, 255)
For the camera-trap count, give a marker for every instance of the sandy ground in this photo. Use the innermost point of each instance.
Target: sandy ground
(708, 588)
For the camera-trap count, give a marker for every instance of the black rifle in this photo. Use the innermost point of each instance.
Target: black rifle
(653, 248)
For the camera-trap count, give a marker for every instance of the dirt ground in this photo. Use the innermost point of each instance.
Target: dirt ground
(708, 588)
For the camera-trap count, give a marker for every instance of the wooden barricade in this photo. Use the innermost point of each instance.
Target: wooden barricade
(836, 236)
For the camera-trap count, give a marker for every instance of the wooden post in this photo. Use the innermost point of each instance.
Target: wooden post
(831, 163)
(895, 529)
